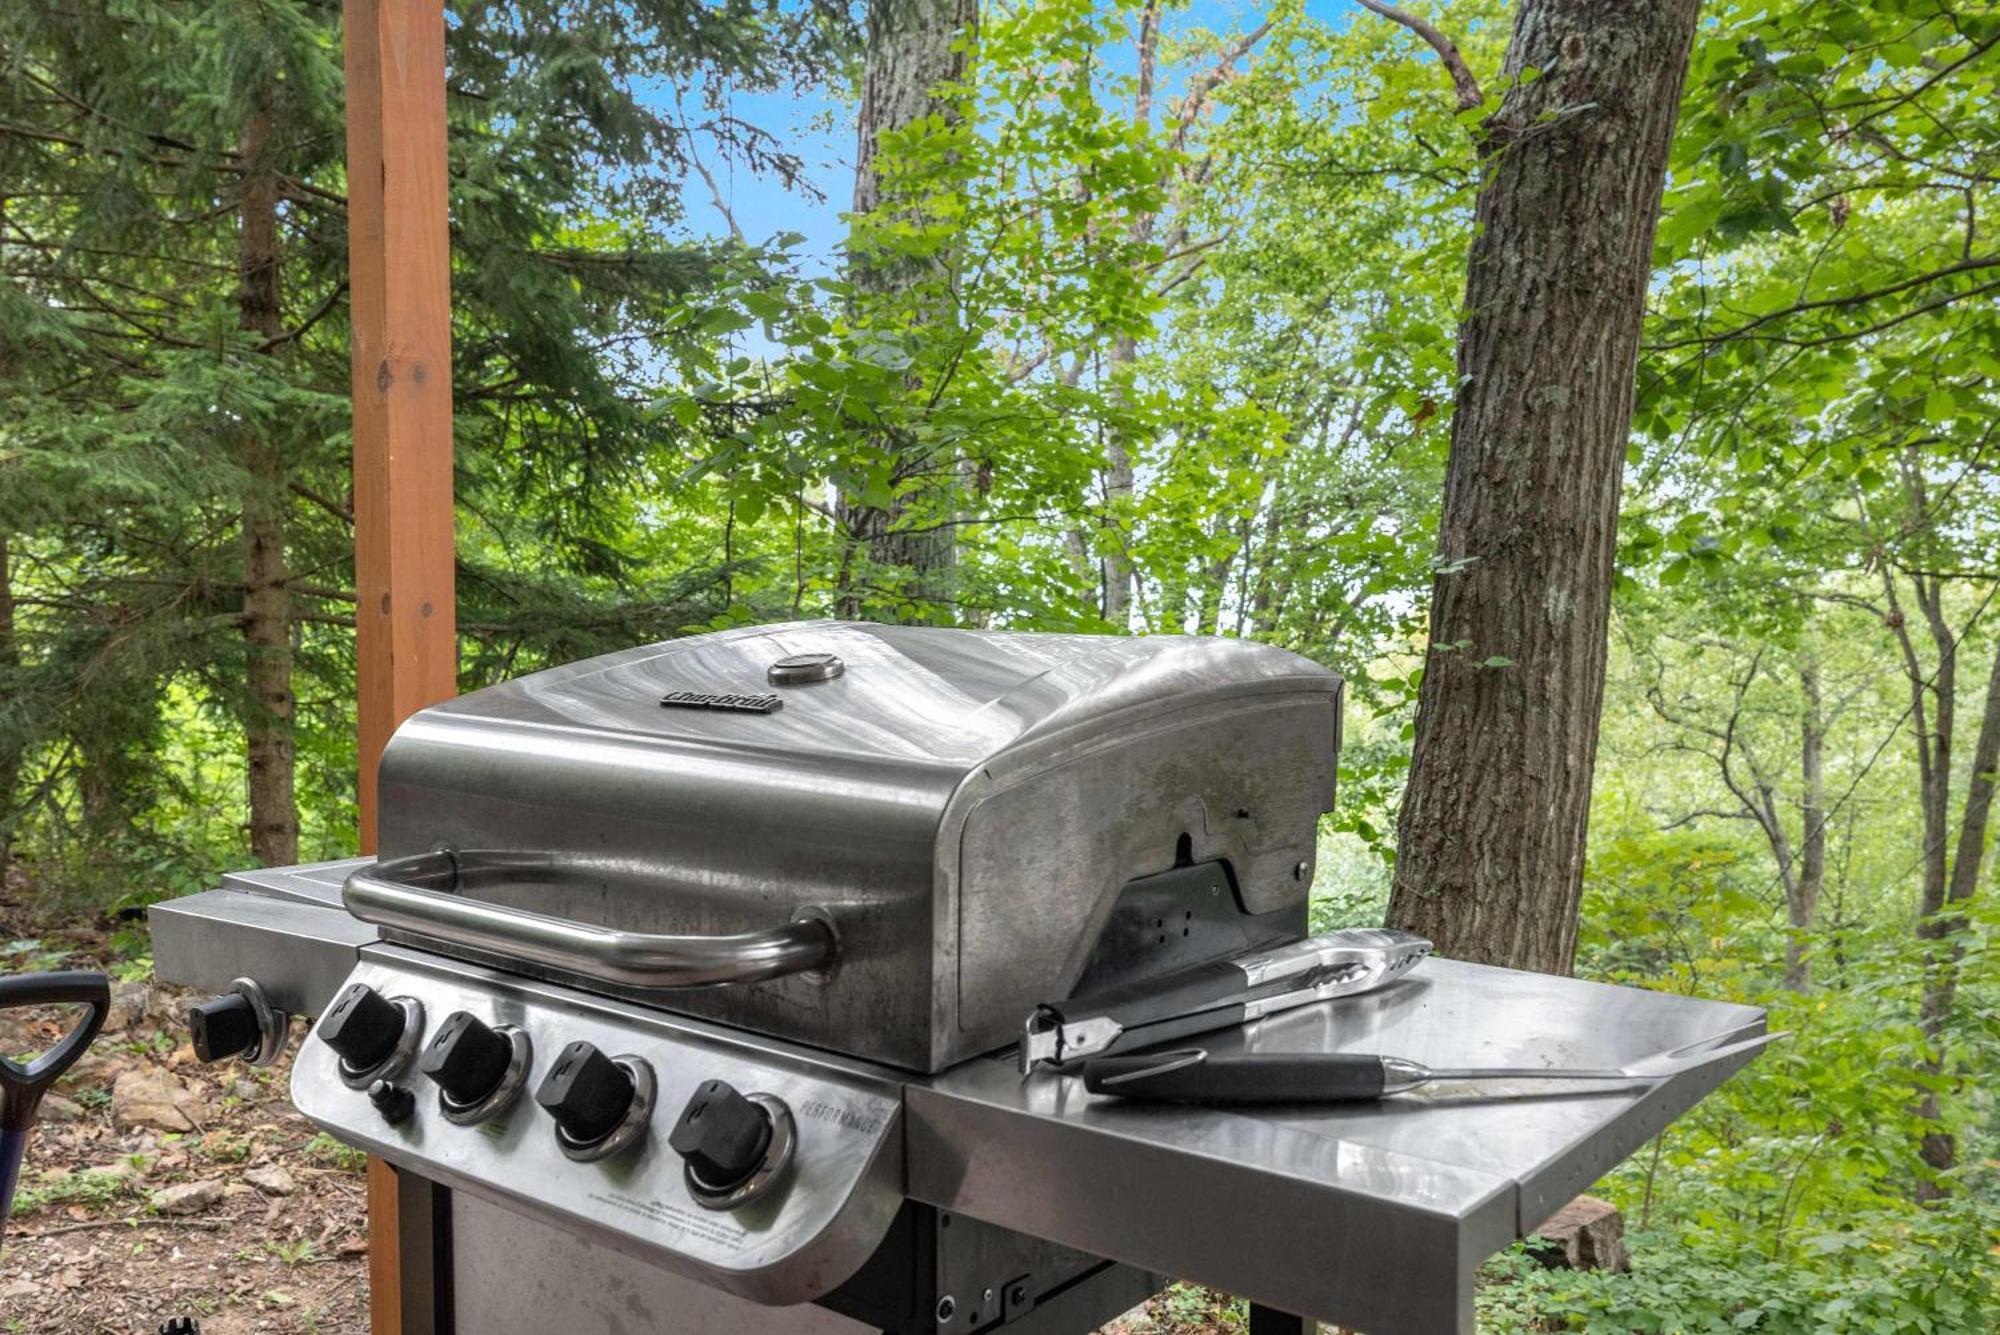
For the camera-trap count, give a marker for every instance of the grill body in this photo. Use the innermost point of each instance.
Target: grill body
(879, 848)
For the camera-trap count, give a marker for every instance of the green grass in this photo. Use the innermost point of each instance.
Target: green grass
(334, 1154)
(93, 1188)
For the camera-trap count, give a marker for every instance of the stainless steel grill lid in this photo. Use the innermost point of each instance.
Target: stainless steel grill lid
(904, 837)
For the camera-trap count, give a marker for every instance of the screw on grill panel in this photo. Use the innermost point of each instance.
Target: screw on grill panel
(946, 1306)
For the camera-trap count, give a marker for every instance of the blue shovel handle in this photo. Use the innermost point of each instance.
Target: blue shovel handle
(22, 1087)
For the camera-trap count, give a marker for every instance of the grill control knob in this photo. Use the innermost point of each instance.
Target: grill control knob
(224, 1027)
(467, 1058)
(391, 1100)
(722, 1135)
(586, 1092)
(362, 1026)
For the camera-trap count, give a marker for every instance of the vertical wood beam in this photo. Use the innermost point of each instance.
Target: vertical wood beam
(399, 270)
(399, 265)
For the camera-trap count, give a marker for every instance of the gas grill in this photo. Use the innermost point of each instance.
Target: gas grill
(685, 991)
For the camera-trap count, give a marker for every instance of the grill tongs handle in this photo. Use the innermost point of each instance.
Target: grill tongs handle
(400, 893)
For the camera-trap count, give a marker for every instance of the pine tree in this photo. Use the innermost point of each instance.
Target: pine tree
(176, 517)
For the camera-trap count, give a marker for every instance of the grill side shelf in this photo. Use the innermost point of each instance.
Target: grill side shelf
(299, 950)
(1372, 1215)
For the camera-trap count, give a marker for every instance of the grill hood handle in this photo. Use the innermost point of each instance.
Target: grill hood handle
(397, 894)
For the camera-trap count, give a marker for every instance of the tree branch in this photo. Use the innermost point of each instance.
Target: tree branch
(1469, 95)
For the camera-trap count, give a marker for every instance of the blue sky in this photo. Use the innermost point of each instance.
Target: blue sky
(818, 126)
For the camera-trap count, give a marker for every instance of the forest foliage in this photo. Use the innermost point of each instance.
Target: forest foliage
(1168, 348)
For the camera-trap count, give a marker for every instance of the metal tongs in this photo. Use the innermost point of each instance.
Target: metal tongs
(1219, 994)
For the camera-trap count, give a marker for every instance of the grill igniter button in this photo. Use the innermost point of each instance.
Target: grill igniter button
(374, 1036)
(393, 1101)
(600, 1104)
(479, 1069)
(735, 1146)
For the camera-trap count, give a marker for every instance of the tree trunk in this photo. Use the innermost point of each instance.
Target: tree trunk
(1115, 567)
(267, 609)
(1950, 875)
(10, 754)
(915, 49)
(1491, 835)
(10, 650)
(1802, 895)
(1940, 1148)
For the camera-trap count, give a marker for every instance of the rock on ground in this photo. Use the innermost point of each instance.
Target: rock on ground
(188, 1197)
(1586, 1234)
(56, 1108)
(272, 1180)
(151, 1097)
(129, 1002)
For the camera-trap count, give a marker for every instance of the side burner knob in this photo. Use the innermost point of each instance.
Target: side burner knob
(223, 1027)
(362, 1026)
(586, 1092)
(467, 1058)
(241, 1022)
(722, 1135)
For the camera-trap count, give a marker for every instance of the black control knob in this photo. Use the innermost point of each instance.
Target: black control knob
(391, 1100)
(224, 1027)
(362, 1025)
(722, 1135)
(586, 1092)
(466, 1057)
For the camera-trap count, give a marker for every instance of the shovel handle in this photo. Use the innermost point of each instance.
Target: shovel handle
(22, 1087)
(13, 1147)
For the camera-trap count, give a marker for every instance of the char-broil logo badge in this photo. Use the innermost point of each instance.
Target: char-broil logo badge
(725, 701)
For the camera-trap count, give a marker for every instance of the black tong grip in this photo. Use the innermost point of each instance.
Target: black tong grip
(22, 1087)
(1195, 1076)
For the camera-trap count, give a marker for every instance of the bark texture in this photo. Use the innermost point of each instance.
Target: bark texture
(916, 48)
(267, 607)
(1115, 566)
(10, 756)
(1115, 570)
(10, 647)
(1802, 892)
(1491, 836)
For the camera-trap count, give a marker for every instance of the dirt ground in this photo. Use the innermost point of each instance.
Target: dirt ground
(137, 1201)
(156, 1187)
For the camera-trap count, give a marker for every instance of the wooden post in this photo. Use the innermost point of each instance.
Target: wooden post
(399, 266)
